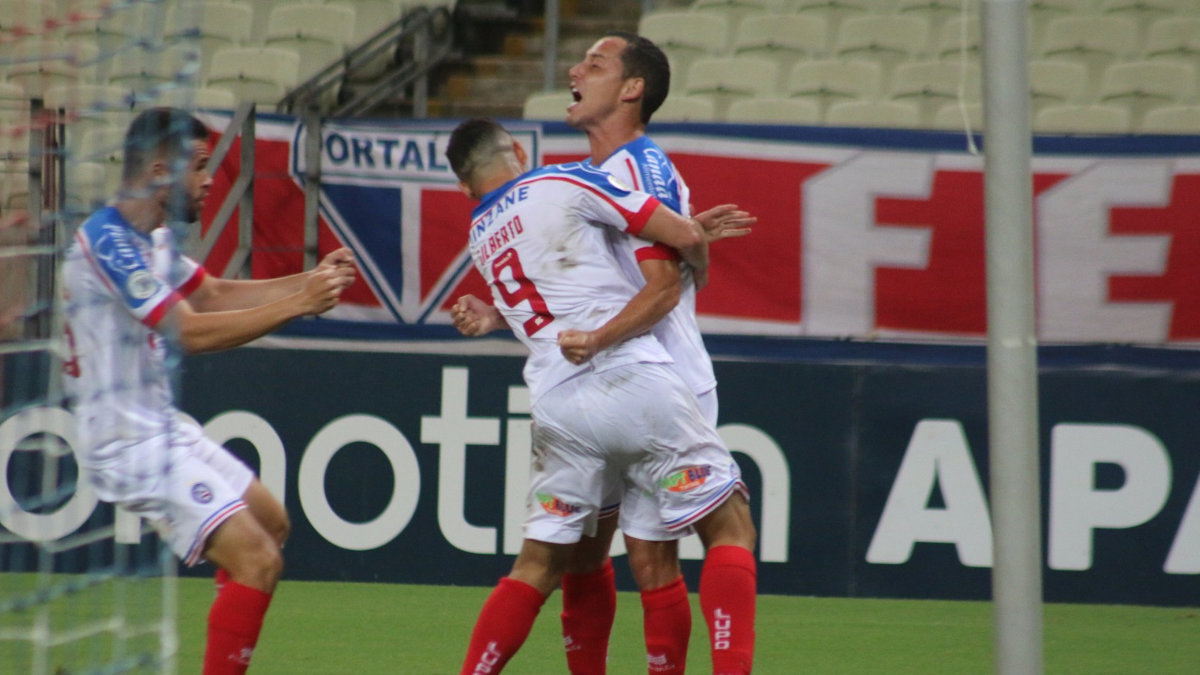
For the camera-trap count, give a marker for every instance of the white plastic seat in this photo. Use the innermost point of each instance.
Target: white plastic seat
(733, 11)
(45, 64)
(933, 12)
(726, 79)
(319, 34)
(370, 16)
(829, 82)
(1094, 41)
(1146, 12)
(835, 12)
(886, 40)
(91, 184)
(144, 71)
(784, 38)
(1083, 119)
(952, 42)
(1142, 85)
(212, 26)
(197, 98)
(262, 16)
(686, 109)
(551, 105)
(889, 114)
(1043, 12)
(22, 15)
(685, 37)
(1056, 83)
(88, 106)
(109, 25)
(1176, 119)
(950, 117)
(1175, 39)
(255, 74)
(932, 84)
(774, 111)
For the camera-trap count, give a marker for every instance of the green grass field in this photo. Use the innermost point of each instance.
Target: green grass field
(364, 629)
(367, 629)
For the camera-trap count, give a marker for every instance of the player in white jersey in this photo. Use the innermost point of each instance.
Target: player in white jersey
(537, 238)
(128, 296)
(621, 82)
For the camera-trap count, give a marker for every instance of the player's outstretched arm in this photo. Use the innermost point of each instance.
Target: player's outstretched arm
(725, 222)
(201, 332)
(222, 295)
(656, 299)
(685, 235)
(474, 317)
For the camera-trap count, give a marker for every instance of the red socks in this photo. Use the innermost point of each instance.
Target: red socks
(589, 607)
(668, 625)
(727, 597)
(234, 623)
(502, 626)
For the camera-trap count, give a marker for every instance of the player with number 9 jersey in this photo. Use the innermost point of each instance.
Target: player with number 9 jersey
(540, 243)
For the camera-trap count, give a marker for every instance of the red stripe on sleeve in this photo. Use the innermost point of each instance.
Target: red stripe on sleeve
(657, 251)
(638, 220)
(161, 310)
(633, 174)
(193, 282)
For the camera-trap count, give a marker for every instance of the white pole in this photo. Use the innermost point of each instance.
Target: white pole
(1012, 343)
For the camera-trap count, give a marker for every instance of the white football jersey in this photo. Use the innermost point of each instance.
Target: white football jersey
(540, 243)
(642, 165)
(117, 291)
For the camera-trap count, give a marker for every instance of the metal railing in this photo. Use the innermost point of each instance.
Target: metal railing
(429, 31)
(240, 197)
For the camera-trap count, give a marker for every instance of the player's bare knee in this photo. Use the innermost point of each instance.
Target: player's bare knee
(729, 525)
(281, 530)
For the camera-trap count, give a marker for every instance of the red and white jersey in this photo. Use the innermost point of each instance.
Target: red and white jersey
(540, 243)
(118, 289)
(642, 165)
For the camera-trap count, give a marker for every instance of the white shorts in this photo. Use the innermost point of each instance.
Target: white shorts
(637, 426)
(638, 512)
(184, 484)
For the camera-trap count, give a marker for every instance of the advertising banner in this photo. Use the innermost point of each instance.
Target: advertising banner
(862, 233)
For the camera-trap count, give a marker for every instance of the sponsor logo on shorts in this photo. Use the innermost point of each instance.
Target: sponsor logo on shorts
(555, 506)
(687, 479)
(202, 493)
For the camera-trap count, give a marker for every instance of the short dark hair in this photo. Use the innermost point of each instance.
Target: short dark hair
(642, 58)
(165, 133)
(471, 145)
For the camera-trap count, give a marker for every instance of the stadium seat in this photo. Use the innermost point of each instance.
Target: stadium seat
(1142, 85)
(370, 16)
(1083, 119)
(686, 109)
(1176, 119)
(835, 12)
(145, 71)
(90, 184)
(262, 16)
(1175, 39)
(829, 82)
(891, 114)
(255, 74)
(319, 34)
(90, 106)
(726, 79)
(204, 98)
(685, 37)
(886, 40)
(212, 26)
(43, 64)
(19, 16)
(104, 149)
(1094, 41)
(551, 105)
(933, 84)
(1043, 12)
(109, 25)
(952, 42)
(1056, 83)
(1146, 12)
(733, 11)
(934, 12)
(950, 117)
(783, 38)
(774, 111)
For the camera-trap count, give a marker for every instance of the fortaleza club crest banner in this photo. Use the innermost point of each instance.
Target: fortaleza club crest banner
(861, 233)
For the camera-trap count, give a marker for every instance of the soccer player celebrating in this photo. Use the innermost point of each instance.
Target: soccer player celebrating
(127, 295)
(621, 82)
(614, 407)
